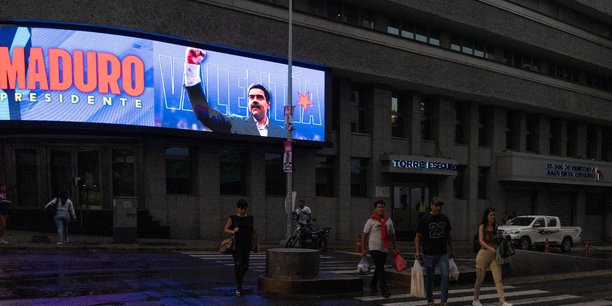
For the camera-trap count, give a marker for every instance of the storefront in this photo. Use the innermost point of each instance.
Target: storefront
(415, 181)
(574, 190)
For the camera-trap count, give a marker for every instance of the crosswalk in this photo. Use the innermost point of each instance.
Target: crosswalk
(516, 295)
(328, 263)
(488, 296)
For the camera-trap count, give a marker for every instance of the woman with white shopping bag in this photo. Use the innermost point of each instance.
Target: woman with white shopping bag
(377, 233)
(489, 240)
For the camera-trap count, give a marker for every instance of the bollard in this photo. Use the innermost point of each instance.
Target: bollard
(358, 246)
(587, 249)
(546, 246)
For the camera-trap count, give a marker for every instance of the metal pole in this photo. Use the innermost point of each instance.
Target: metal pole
(288, 120)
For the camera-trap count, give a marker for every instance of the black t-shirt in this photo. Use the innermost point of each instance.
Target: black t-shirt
(245, 230)
(434, 232)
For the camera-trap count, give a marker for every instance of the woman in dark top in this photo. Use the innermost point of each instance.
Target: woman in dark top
(241, 226)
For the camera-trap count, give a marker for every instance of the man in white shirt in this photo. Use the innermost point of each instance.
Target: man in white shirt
(303, 213)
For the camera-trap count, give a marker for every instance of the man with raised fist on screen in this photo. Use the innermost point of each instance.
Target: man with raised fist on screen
(257, 123)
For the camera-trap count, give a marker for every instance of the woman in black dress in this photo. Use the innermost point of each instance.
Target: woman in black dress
(241, 226)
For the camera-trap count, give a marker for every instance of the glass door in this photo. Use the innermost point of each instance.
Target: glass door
(406, 201)
(76, 172)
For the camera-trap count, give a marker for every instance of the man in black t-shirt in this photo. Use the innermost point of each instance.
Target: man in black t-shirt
(434, 232)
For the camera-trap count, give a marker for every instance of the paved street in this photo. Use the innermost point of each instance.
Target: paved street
(105, 277)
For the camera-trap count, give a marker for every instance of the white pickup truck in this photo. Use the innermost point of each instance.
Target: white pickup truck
(528, 231)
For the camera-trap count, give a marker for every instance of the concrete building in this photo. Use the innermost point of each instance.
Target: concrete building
(484, 102)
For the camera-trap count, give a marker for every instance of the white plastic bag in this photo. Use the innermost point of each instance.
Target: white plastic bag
(453, 271)
(363, 267)
(417, 283)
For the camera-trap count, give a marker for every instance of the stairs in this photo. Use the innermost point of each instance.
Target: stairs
(149, 228)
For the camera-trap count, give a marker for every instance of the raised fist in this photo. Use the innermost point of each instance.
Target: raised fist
(194, 56)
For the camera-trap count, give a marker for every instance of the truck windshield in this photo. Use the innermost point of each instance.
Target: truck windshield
(520, 221)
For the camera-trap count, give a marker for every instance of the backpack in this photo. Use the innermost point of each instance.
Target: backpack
(476, 244)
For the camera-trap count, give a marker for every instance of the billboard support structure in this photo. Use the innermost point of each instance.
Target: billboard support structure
(289, 123)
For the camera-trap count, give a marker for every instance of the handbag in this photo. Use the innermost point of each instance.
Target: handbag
(399, 263)
(417, 283)
(227, 245)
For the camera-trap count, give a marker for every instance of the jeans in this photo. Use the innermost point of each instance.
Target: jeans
(62, 222)
(379, 259)
(430, 262)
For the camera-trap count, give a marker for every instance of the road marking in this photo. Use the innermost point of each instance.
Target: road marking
(545, 299)
(470, 297)
(591, 303)
(406, 295)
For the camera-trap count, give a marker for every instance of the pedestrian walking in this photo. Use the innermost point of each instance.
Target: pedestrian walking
(434, 232)
(241, 225)
(489, 240)
(377, 233)
(64, 210)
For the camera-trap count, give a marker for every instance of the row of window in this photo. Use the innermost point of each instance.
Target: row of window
(233, 173)
(403, 28)
(597, 137)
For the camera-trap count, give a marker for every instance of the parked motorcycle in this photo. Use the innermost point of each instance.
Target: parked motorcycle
(306, 236)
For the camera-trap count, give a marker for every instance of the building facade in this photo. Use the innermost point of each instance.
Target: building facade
(484, 102)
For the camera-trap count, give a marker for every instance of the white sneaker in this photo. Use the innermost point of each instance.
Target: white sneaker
(506, 304)
(4, 241)
(476, 303)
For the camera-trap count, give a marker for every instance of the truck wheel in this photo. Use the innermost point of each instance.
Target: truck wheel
(566, 245)
(525, 243)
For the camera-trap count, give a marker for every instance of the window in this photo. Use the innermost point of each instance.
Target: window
(359, 111)
(276, 183)
(461, 126)
(512, 130)
(427, 119)
(123, 173)
(483, 173)
(393, 27)
(571, 139)
(179, 178)
(359, 177)
(399, 113)
(469, 47)
(485, 125)
(563, 72)
(532, 133)
(325, 176)
(232, 166)
(555, 136)
(421, 33)
(459, 182)
(336, 85)
(407, 30)
(27, 177)
(592, 144)
(521, 61)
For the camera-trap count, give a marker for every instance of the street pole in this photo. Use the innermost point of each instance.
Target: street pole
(289, 126)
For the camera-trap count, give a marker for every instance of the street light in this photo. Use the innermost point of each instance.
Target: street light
(288, 158)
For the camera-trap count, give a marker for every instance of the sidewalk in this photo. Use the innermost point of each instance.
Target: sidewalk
(45, 240)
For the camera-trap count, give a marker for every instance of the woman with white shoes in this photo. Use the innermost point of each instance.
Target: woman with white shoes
(489, 240)
(63, 211)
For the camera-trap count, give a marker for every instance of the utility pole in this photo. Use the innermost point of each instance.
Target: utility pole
(288, 155)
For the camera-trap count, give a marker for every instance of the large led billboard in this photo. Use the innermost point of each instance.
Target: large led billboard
(68, 75)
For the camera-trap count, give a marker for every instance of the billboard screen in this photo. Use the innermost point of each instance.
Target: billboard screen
(51, 74)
